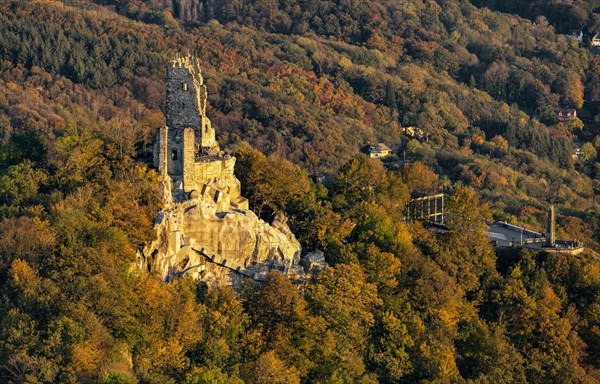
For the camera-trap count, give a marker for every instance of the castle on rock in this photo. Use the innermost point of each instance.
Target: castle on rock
(206, 230)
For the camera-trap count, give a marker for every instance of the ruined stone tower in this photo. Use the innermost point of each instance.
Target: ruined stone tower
(187, 153)
(186, 101)
(205, 229)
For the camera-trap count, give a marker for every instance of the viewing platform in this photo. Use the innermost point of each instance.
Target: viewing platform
(505, 235)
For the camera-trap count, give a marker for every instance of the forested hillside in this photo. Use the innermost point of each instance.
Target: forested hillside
(306, 83)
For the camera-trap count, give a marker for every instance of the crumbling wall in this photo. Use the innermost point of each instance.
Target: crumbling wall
(187, 101)
(160, 150)
(207, 139)
(189, 159)
(182, 97)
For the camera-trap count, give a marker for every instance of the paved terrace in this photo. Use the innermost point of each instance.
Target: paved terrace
(508, 235)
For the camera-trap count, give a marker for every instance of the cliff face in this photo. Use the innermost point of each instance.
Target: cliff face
(196, 240)
(206, 230)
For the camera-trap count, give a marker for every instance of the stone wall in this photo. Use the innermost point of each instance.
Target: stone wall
(218, 171)
(160, 150)
(187, 100)
(189, 158)
(207, 139)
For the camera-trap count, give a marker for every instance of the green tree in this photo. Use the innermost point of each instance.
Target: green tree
(21, 183)
(588, 153)
(357, 181)
(270, 182)
(486, 354)
(346, 301)
(210, 376)
(391, 343)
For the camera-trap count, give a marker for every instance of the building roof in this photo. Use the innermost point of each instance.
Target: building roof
(565, 114)
(505, 235)
(377, 147)
(567, 110)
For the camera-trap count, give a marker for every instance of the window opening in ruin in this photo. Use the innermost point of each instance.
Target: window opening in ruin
(174, 154)
(182, 105)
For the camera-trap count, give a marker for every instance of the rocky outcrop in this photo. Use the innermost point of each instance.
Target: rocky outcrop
(196, 240)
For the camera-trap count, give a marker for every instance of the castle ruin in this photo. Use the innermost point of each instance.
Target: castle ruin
(186, 153)
(206, 230)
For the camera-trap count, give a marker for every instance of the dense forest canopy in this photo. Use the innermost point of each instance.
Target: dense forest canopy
(297, 87)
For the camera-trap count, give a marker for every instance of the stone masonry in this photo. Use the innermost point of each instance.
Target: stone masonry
(186, 151)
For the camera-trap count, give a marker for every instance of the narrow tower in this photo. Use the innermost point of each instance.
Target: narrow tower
(187, 99)
(550, 228)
